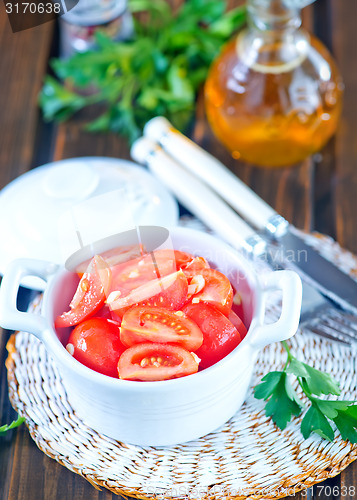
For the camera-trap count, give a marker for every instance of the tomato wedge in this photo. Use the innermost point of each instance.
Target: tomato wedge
(195, 265)
(115, 256)
(156, 324)
(169, 291)
(152, 361)
(136, 272)
(90, 294)
(220, 336)
(95, 343)
(217, 291)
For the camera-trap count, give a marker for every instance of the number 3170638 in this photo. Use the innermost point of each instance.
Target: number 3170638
(33, 8)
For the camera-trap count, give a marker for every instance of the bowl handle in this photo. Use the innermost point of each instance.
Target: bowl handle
(285, 327)
(10, 317)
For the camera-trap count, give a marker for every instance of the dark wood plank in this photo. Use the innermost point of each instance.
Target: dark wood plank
(344, 43)
(23, 61)
(72, 140)
(343, 174)
(24, 57)
(349, 482)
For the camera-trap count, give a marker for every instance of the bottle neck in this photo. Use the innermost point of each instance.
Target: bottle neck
(273, 41)
(272, 16)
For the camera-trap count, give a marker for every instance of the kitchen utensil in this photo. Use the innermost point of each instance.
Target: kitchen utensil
(323, 274)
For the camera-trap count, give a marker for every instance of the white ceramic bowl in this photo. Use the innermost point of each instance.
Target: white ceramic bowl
(165, 412)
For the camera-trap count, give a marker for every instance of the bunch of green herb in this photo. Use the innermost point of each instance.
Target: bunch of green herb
(283, 401)
(158, 72)
(15, 423)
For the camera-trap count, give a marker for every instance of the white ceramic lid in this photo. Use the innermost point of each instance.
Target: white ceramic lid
(51, 210)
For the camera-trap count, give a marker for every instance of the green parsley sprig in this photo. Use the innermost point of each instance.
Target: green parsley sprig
(283, 402)
(158, 72)
(15, 423)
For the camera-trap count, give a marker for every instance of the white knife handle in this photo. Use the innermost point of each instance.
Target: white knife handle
(197, 197)
(212, 172)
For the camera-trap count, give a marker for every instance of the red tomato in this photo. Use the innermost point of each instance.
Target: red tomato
(217, 290)
(195, 265)
(169, 291)
(90, 294)
(220, 337)
(115, 256)
(182, 259)
(136, 272)
(156, 324)
(96, 344)
(107, 313)
(149, 362)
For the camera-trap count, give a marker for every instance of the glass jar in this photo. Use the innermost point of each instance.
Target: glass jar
(274, 94)
(80, 24)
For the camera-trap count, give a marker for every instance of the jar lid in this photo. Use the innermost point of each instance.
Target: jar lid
(51, 210)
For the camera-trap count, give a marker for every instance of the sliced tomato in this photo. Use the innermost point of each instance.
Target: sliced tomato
(136, 272)
(130, 275)
(182, 259)
(96, 344)
(156, 324)
(220, 336)
(153, 361)
(195, 265)
(115, 256)
(90, 294)
(169, 291)
(217, 290)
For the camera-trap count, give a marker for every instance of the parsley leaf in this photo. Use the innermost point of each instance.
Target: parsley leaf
(315, 421)
(283, 402)
(346, 423)
(158, 72)
(317, 382)
(15, 423)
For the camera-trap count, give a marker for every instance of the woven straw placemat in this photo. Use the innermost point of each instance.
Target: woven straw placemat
(248, 457)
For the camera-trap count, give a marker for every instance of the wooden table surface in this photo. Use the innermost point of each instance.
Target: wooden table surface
(319, 194)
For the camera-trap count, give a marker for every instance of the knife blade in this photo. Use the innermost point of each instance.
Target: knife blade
(321, 273)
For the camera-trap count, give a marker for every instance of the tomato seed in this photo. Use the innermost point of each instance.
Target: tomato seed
(70, 349)
(144, 362)
(85, 285)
